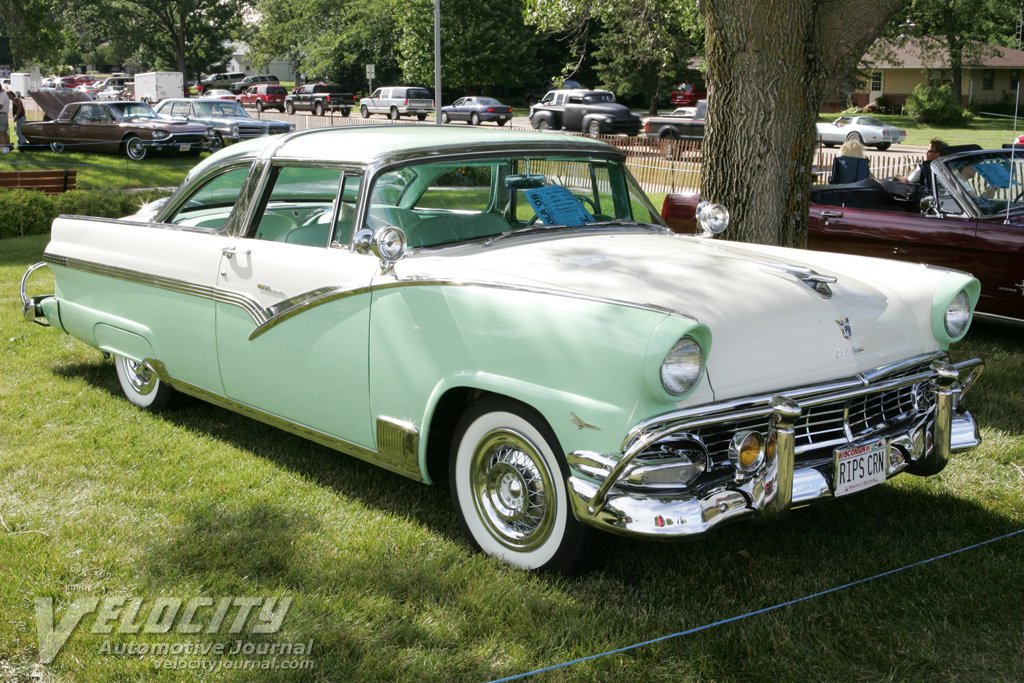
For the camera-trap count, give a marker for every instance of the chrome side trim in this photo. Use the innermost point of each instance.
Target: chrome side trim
(998, 318)
(301, 303)
(347, 447)
(267, 318)
(398, 443)
(246, 303)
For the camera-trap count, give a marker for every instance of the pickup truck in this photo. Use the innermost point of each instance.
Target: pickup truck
(682, 124)
(590, 111)
(319, 98)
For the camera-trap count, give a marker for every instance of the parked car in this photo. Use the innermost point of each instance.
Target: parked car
(219, 95)
(591, 111)
(89, 88)
(506, 311)
(130, 128)
(685, 123)
(320, 98)
(266, 96)
(870, 131)
(241, 86)
(397, 102)
(974, 225)
(477, 110)
(221, 81)
(688, 94)
(228, 120)
(110, 93)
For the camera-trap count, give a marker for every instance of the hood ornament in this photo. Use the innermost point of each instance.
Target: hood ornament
(844, 325)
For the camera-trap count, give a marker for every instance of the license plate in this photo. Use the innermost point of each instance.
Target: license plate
(184, 148)
(860, 467)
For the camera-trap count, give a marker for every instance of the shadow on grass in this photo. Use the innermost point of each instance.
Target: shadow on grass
(884, 516)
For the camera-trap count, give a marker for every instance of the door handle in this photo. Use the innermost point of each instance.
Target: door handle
(898, 250)
(831, 214)
(231, 251)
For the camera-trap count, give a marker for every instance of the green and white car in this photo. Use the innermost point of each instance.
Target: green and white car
(506, 311)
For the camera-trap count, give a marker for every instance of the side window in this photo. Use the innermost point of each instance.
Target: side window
(945, 201)
(377, 94)
(180, 109)
(299, 206)
(210, 205)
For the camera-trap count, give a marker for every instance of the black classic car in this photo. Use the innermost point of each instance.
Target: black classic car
(130, 128)
(229, 121)
(591, 111)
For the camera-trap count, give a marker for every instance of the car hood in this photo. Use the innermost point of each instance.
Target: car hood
(164, 124)
(609, 109)
(770, 329)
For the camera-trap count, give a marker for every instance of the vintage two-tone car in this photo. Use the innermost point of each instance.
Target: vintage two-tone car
(508, 312)
(130, 128)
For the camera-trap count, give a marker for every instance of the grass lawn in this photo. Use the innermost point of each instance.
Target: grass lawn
(990, 133)
(101, 500)
(106, 171)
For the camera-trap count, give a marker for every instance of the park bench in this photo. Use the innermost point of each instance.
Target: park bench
(52, 181)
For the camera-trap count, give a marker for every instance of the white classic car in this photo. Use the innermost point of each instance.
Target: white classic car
(507, 312)
(870, 131)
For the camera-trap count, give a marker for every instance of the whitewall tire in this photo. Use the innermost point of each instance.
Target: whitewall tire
(508, 486)
(141, 386)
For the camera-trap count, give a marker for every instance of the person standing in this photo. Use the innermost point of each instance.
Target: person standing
(5, 110)
(18, 114)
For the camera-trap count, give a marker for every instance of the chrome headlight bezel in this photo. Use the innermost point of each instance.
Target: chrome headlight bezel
(957, 317)
(161, 135)
(683, 367)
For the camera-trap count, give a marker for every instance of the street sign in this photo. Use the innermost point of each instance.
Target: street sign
(369, 72)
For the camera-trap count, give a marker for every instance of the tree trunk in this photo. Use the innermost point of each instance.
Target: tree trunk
(770, 64)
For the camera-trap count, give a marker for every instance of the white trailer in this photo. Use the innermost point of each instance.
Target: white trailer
(24, 83)
(153, 86)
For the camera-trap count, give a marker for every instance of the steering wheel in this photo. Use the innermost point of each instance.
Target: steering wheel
(585, 201)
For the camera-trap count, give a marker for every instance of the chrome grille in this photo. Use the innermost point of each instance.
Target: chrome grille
(823, 427)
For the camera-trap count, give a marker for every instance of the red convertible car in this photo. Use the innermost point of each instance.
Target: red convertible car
(970, 218)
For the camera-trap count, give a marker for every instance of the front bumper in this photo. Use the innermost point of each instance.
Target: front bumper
(919, 439)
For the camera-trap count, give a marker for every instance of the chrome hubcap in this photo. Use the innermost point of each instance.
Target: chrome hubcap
(139, 376)
(511, 490)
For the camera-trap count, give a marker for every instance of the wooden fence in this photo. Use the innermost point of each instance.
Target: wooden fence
(660, 166)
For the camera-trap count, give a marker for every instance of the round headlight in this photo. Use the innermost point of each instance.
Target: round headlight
(958, 315)
(682, 367)
(713, 219)
(160, 134)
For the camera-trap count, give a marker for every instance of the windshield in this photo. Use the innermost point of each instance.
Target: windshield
(871, 121)
(220, 108)
(459, 201)
(993, 181)
(132, 110)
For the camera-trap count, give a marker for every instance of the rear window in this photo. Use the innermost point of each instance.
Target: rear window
(419, 94)
(329, 88)
(276, 90)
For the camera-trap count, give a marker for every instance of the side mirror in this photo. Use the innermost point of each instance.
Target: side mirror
(388, 243)
(928, 206)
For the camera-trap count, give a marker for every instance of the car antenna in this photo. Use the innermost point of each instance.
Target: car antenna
(1016, 108)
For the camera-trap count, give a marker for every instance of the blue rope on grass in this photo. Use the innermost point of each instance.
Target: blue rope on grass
(756, 612)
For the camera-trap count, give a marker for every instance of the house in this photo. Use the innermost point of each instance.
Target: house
(893, 77)
(239, 61)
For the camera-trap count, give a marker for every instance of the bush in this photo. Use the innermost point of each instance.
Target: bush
(934, 105)
(30, 212)
(25, 212)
